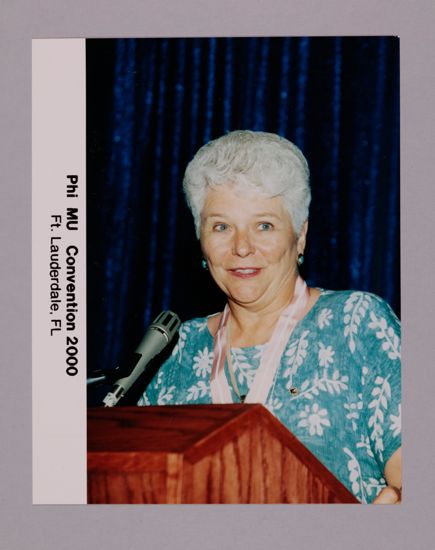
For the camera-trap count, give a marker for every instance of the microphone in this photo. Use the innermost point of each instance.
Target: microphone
(157, 337)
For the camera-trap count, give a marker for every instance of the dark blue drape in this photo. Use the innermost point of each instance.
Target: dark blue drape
(151, 103)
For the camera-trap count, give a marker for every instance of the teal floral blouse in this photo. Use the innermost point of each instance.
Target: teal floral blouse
(342, 365)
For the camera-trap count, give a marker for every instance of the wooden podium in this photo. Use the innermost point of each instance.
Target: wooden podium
(202, 454)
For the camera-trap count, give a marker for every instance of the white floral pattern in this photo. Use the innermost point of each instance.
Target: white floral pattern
(197, 390)
(396, 422)
(390, 340)
(355, 476)
(165, 395)
(337, 388)
(202, 362)
(365, 371)
(354, 409)
(144, 400)
(381, 394)
(243, 369)
(182, 338)
(314, 419)
(361, 487)
(326, 355)
(274, 404)
(324, 318)
(355, 310)
(296, 353)
(364, 443)
(326, 383)
(200, 324)
(374, 486)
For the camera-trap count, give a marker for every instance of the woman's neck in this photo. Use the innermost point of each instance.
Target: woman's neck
(250, 327)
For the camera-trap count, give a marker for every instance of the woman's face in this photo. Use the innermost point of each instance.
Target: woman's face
(250, 246)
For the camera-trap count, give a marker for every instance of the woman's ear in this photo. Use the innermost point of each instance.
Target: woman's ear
(302, 238)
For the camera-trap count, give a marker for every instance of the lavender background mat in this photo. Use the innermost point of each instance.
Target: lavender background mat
(410, 525)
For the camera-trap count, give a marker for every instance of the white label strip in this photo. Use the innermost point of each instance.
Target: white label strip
(59, 271)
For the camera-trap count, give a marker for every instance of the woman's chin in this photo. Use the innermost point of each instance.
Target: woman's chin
(246, 297)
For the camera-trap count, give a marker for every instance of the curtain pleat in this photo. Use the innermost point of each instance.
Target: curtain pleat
(151, 103)
(228, 86)
(302, 81)
(284, 89)
(210, 90)
(260, 87)
(153, 210)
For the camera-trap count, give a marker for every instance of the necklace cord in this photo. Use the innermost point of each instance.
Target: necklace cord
(270, 358)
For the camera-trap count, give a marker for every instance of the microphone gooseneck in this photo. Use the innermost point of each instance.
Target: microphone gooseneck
(157, 337)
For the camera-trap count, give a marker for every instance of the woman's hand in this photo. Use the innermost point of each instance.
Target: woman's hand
(392, 494)
(389, 495)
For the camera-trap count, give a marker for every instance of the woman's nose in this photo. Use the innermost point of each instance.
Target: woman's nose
(242, 244)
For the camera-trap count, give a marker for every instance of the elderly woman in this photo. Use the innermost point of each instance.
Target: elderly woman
(326, 364)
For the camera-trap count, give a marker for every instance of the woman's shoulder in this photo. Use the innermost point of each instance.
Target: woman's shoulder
(354, 301)
(197, 329)
(362, 318)
(200, 324)
(192, 336)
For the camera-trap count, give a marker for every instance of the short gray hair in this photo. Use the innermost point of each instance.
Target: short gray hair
(261, 161)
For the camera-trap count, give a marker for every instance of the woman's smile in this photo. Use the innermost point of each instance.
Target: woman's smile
(245, 272)
(250, 246)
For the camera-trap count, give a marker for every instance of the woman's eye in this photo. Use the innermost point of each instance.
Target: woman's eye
(265, 226)
(220, 227)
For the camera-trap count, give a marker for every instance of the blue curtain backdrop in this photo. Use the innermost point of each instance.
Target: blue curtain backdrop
(151, 103)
